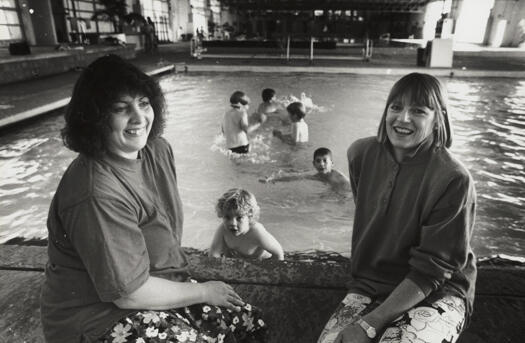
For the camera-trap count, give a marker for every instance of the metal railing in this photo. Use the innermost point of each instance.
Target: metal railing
(197, 50)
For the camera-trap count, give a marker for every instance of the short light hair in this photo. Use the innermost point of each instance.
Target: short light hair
(237, 199)
(423, 90)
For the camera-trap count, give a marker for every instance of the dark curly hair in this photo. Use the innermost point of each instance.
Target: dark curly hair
(99, 85)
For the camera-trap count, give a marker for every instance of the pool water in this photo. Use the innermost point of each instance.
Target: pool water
(487, 115)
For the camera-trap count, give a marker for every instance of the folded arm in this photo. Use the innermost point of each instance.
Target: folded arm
(218, 247)
(268, 242)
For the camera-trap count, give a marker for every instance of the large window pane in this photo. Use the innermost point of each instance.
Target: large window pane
(16, 32)
(85, 6)
(10, 32)
(8, 17)
(4, 33)
(7, 3)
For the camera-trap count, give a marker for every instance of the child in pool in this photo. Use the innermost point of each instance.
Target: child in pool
(235, 123)
(268, 107)
(299, 128)
(323, 164)
(240, 234)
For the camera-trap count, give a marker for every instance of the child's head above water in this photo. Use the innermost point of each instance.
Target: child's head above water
(239, 98)
(296, 110)
(239, 202)
(323, 160)
(268, 94)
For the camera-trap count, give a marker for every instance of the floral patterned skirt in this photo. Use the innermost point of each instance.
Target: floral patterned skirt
(197, 323)
(436, 321)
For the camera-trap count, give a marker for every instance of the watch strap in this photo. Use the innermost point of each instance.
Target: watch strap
(369, 329)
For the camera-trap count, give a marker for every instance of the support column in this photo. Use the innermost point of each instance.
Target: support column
(43, 23)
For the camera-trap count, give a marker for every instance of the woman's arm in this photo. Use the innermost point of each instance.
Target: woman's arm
(217, 248)
(161, 294)
(405, 296)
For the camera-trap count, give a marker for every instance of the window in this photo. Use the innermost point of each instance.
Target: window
(10, 28)
(158, 11)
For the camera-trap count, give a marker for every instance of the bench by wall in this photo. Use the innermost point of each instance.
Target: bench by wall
(298, 297)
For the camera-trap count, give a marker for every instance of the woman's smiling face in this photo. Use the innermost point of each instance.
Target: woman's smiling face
(130, 123)
(407, 125)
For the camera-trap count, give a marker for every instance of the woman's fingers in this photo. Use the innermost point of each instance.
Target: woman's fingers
(236, 301)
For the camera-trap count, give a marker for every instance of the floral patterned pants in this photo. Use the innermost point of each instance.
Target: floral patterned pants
(197, 323)
(439, 321)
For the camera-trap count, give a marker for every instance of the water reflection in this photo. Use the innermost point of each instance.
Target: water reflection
(487, 115)
(491, 132)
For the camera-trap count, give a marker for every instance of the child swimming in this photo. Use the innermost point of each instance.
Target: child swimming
(299, 128)
(323, 164)
(240, 234)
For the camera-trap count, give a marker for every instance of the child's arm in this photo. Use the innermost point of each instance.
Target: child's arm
(257, 120)
(218, 247)
(287, 138)
(268, 242)
(243, 123)
(288, 177)
(295, 133)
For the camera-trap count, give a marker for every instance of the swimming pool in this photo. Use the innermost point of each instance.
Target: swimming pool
(487, 115)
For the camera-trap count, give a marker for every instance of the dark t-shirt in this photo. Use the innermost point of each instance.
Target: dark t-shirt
(112, 223)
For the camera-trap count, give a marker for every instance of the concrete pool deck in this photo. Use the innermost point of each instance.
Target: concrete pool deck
(26, 99)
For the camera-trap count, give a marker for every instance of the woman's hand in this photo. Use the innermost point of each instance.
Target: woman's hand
(219, 293)
(352, 333)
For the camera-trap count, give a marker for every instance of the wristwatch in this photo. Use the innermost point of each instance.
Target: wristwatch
(370, 330)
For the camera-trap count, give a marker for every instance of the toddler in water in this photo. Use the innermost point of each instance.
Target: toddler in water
(235, 123)
(323, 164)
(240, 234)
(299, 128)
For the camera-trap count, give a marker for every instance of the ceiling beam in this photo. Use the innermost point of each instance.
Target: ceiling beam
(360, 5)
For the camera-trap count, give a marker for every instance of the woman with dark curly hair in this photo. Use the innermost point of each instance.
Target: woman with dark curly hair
(116, 270)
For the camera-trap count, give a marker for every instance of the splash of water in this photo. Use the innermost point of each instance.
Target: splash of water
(20, 147)
(307, 101)
(259, 153)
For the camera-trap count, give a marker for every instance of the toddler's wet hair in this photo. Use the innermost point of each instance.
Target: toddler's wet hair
(237, 199)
